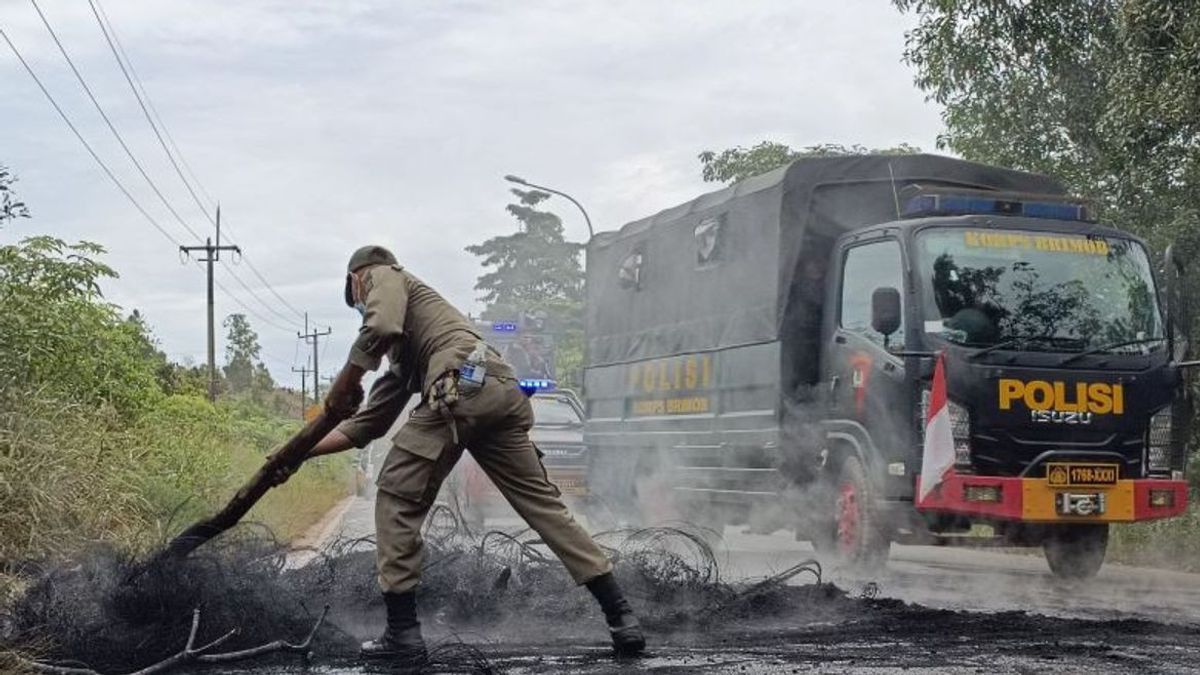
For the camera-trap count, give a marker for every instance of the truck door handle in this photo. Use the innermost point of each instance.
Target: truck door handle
(840, 339)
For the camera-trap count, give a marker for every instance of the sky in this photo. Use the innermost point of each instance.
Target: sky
(323, 125)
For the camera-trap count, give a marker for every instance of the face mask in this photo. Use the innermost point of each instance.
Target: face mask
(362, 309)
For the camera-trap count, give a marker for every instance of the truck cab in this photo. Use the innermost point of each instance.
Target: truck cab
(1066, 411)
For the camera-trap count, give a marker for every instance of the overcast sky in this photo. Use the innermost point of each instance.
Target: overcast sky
(323, 125)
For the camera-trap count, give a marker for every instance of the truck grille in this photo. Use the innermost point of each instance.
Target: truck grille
(999, 452)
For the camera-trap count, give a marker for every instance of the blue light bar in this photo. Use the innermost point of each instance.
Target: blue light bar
(537, 385)
(963, 205)
(504, 327)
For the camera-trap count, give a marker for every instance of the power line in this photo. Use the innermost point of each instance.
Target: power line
(144, 102)
(314, 336)
(258, 297)
(157, 134)
(112, 176)
(83, 141)
(125, 191)
(108, 122)
(246, 307)
(212, 254)
(268, 286)
(150, 103)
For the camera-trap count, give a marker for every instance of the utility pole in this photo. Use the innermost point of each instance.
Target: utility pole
(304, 371)
(212, 254)
(314, 336)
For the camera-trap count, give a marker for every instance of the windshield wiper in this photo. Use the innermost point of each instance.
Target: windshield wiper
(1107, 347)
(1020, 340)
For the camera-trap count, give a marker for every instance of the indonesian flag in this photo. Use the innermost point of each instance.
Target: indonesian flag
(937, 460)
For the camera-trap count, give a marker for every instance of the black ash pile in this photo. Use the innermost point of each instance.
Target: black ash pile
(492, 587)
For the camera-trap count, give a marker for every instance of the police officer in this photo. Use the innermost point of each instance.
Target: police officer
(426, 342)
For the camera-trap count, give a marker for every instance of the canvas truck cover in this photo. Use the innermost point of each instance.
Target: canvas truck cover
(720, 271)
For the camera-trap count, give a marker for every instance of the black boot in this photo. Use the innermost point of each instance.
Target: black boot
(626, 631)
(401, 639)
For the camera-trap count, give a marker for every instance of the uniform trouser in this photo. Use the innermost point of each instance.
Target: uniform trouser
(494, 424)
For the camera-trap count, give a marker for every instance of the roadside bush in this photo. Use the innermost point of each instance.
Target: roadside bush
(72, 475)
(102, 439)
(1172, 543)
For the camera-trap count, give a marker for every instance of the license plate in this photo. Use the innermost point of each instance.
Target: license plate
(575, 486)
(1079, 475)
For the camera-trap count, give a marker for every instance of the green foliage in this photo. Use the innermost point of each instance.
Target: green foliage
(244, 370)
(533, 267)
(10, 207)
(102, 438)
(740, 163)
(60, 337)
(71, 474)
(1101, 94)
(536, 270)
(1104, 95)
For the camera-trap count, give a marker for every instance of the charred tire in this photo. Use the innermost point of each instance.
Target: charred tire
(854, 533)
(1076, 551)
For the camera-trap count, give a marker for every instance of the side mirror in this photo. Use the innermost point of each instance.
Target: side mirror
(885, 311)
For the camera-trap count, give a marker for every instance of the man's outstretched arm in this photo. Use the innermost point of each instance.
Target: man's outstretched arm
(388, 397)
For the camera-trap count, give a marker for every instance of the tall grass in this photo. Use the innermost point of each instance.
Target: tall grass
(72, 474)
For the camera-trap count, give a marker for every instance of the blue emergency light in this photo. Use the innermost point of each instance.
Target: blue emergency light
(504, 327)
(537, 384)
(949, 204)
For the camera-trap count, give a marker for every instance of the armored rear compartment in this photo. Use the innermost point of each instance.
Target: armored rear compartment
(704, 328)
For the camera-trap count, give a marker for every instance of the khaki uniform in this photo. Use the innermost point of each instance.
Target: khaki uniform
(424, 337)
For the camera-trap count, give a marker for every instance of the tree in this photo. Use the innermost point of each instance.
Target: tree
(10, 207)
(1102, 94)
(739, 163)
(536, 270)
(243, 369)
(60, 337)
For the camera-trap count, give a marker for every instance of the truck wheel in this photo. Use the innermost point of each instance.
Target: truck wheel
(1076, 551)
(853, 534)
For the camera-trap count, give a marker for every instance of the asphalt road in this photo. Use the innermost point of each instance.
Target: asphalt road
(992, 581)
(936, 610)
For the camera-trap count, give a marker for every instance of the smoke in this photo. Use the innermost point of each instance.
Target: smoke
(80, 611)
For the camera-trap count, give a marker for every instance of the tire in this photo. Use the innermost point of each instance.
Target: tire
(853, 533)
(1076, 552)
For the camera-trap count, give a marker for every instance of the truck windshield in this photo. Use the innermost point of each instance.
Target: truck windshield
(1038, 290)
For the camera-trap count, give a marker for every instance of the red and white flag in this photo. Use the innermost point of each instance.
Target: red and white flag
(937, 459)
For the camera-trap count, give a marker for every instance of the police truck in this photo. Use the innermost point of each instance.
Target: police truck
(765, 354)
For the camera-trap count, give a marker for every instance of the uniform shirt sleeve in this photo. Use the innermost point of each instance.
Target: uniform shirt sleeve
(383, 323)
(388, 397)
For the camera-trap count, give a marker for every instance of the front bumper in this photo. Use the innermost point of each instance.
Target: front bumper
(1032, 500)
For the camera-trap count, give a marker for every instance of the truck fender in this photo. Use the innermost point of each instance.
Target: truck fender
(848, 436)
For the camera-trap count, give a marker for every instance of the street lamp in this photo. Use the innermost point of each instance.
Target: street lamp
(521, 181)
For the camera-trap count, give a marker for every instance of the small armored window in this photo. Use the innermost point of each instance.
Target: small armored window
(629, 275)
(710, 234)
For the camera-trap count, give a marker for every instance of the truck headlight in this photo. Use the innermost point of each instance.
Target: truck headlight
(1158, 442)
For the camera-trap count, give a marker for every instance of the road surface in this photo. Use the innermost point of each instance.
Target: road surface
(936, 610)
